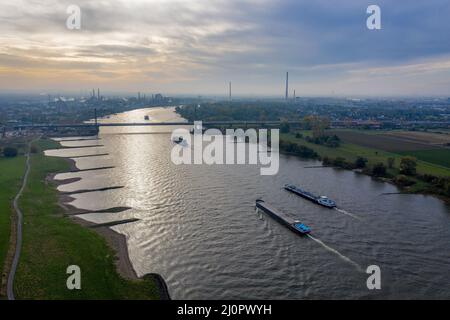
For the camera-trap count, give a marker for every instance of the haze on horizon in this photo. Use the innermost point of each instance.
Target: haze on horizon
(197, 46)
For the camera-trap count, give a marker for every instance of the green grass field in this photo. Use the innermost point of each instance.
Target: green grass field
(389, 141)
(52, 242)
(439, 156)
(351, 151)
(11, 172)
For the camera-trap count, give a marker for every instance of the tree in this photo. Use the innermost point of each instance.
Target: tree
(284, 127)
(391, 162)
(447, 189)
(379, 170)
(408, 166)
(10, 152)
(332, 141)
(361, 162)
(317, 124)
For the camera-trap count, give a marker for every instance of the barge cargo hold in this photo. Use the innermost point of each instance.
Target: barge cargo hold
(288, 221)
(321, 200)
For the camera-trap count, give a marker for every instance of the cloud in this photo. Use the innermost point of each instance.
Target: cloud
(198, 45)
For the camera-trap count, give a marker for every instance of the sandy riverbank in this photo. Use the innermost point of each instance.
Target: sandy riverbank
(115, 240)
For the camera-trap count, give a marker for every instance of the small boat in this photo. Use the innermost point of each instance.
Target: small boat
(294, 225)
(321, 200)
(146, 118)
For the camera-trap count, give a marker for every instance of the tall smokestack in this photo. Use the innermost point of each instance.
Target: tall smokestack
(287, 85)
(229, 97)
(294, 95)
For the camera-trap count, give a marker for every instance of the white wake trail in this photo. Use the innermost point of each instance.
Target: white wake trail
(348, 213)
(357, 266)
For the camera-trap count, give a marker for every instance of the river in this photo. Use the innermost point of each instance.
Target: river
(198, 227)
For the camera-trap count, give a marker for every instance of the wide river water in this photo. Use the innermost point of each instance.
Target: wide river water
(198, 227)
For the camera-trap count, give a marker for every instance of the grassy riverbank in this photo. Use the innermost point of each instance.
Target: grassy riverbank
(349, 152)
(52, 242)
(11, 173)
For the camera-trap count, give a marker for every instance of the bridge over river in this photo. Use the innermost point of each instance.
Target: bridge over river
(137, 124)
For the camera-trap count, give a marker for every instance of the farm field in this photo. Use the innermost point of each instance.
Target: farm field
(437, 139)
(393, 141)
(351, 151)
(437, 156)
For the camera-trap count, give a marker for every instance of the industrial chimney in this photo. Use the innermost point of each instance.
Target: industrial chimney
(287, 86)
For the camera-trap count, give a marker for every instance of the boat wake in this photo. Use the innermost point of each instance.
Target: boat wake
(357, 266)
(348, 213)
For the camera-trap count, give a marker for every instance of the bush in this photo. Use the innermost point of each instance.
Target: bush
(339, 162)
(379, 170)
(391, 162)
(428, 178)
(10, 152)
(408, 166)
(298, 150)
(328, 141)
(361, 162)
(326, 161)
(403, 181)
(342, 163)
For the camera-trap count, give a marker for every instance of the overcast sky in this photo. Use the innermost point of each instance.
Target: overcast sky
(197, 46)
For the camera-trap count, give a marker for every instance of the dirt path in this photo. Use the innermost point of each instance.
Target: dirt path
(15, 262)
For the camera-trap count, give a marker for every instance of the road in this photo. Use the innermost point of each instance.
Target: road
(19, 214)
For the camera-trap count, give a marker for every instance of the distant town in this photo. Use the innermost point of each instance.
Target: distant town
(408, 114)
(17, 111)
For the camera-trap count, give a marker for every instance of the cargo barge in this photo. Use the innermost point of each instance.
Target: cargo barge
(321, 200)
(292, 224)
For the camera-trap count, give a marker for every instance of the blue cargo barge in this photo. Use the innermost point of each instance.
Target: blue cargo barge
(321, 200)
(288, 221)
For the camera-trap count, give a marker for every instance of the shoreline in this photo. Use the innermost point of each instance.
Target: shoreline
(403, 190)
(114, 239)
